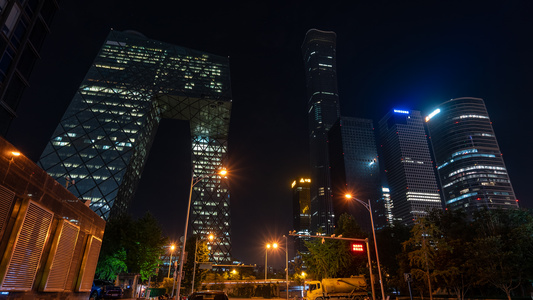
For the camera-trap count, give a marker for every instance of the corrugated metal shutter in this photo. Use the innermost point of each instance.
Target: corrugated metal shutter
(27, 249)
(88, 266)
(6, 203)
(59, 266)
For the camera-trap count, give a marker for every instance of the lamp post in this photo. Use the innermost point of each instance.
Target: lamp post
(268, 246)
(368, 207)
(303, 276)
(172, 247)
(222, 172)
(287, 264)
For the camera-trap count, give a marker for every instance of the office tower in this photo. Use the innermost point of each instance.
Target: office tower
(469, 162)
(319, 56)
(387, 207)
(301, 210)
(354, 167)
(24, 25)
(103, 139)
(408, 165)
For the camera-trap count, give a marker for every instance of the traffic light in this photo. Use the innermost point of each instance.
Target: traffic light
(357, 247)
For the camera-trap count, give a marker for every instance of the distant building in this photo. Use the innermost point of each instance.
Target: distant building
(354, 167)
(408, 165)
(103, 140)
(24, 25)
(384, 209)
(301, 211)
(319, 56)
(469, 162)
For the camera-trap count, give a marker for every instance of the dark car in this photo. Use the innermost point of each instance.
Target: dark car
(208, 295)
(103, 289)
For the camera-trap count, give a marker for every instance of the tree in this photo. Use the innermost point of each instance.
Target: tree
(390, 247)
(132, 246)
(502, 250)
(202, 255)
(332, 258)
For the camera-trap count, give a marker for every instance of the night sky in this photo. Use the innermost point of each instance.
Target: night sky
(407, 55)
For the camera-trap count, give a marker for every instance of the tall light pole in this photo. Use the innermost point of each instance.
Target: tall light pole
(368, 207)
(172, 247)
(222, 172)
(268, 246)
(287, 264)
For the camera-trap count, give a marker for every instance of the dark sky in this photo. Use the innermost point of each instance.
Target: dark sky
(389, 54)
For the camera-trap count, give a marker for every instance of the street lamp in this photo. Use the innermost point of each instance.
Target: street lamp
(172, 247)
(303, 276)
(222, 172)
(287, 264)
(368, 207)
(268, 246)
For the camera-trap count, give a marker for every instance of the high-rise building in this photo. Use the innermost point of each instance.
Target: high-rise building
(24, 25)
(354, 167)
(408, 165)
(301, 210)
(104, 137)
(319, 56)
(469, 162)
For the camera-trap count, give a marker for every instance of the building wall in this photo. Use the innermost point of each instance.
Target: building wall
(319, 54)
(49, 239)
(24, 25)
(408, 165)
(354, 167)
(469, 162)
(104, 137)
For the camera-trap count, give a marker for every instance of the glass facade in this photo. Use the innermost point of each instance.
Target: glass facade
(102, 142)
(469, 161)
(354, 167)
(23, 26)
(301, 210)
(408, 166)
(319, 54)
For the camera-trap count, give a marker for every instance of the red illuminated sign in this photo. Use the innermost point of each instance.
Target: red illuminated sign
(358, 247)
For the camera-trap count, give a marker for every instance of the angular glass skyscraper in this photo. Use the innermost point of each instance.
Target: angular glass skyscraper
(319, 55)
(301, 211)
(354, 167)
(408, 165)
(103, 139)
(24, 25)
(469, 161)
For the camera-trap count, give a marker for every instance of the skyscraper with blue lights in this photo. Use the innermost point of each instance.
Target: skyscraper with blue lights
(408, 165)
(319, 54)
(102, 142)
(469, 162)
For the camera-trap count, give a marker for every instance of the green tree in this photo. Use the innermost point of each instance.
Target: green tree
(390, 240)
(202, 255)
(502, 250)
(332, 258)
(132, 246)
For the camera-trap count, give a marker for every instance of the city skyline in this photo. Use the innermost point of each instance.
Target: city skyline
(412, 56)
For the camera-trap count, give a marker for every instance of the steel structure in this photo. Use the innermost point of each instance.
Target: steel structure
(103, 140)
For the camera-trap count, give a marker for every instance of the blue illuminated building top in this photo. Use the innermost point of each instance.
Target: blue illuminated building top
(401, 111)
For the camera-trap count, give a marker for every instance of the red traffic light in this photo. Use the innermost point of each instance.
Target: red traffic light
(357, 247)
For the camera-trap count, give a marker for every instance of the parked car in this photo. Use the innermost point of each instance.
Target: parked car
(208, 295)
(103, 289)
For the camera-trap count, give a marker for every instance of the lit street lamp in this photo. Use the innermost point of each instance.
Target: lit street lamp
(172, 247)
(222, 172)
(268, 246)
(369, 208)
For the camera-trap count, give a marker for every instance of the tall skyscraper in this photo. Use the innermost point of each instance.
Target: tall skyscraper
(103, 140)
(24, 25)
(469, 161)
(354, 167)
(408, 165)
(319, 56)
(301, 210)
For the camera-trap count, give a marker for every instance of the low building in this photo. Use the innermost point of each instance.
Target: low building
(49, 240)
